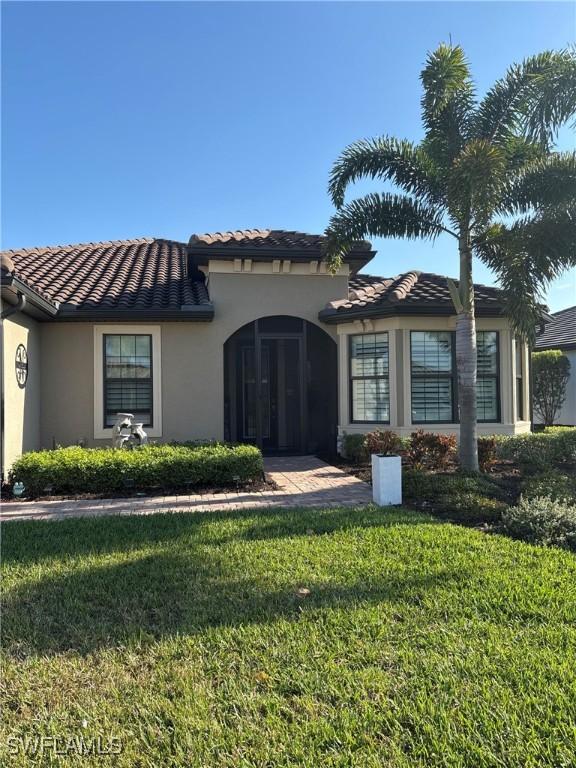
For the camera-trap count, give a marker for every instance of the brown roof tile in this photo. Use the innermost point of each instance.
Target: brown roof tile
(117, 275)
(370, 294)
(266, 239)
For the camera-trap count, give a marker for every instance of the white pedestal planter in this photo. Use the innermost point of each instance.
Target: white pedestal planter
(386, 480)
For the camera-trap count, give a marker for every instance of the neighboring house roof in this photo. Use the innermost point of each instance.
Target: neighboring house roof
(272, 243)
(409, 293)
(559, 332)
(121, 277)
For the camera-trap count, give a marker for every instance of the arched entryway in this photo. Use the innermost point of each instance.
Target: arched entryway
(280, 386)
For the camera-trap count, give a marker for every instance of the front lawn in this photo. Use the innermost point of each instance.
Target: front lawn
(192, 639)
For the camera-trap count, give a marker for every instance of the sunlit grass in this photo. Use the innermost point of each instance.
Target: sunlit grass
(192, 639)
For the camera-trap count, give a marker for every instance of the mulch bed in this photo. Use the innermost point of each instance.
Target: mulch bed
(504, 473)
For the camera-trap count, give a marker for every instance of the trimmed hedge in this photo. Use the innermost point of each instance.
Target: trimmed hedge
(542, 520)
(105, 470)
(539, 450)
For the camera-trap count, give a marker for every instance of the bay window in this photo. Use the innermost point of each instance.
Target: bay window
(433, 376)
(369, 378)
(520, 416)
(487, 386)
(434, 388)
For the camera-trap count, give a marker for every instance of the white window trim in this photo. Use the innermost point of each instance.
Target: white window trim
(155, 332)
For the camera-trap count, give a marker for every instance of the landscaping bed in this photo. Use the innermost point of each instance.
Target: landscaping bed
(149, 470)
(527, 489)
(338, 637)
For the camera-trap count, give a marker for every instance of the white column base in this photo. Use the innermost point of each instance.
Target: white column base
(386, 480)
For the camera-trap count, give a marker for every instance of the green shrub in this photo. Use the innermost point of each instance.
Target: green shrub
(431, 451)
(104, 470)
(487, 447)
(553, 484)
(421, 486)
(471, 508)
(543, 520)
(540, 450)
(383, 442)
(550, 373)
(354, 448)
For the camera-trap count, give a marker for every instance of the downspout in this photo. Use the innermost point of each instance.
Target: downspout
(20, 304)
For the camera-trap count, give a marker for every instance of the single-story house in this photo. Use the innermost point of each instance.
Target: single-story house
(560, 333)
(243, 336)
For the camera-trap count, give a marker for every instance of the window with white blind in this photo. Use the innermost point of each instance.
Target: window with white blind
(433, 376)
(369, 378)
(434, 388)
(520, 415)
(128, 377)
(487, 384)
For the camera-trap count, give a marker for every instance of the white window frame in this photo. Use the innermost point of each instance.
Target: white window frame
(99, 332)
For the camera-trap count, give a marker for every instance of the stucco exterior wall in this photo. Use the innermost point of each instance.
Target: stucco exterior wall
(567, 415)
(192, 358)
(21, 405)
(192, 371)
(398, 329)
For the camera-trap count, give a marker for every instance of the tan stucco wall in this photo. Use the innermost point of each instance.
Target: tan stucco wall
(399, 372)
(21, 406)
(67, 401)
(192, 386)
(192, 356)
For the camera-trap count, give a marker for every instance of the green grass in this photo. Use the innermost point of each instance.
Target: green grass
(420, 643)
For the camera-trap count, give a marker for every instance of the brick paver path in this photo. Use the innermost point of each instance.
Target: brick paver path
(303, 481)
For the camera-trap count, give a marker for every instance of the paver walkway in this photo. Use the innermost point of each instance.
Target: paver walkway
(303, 481)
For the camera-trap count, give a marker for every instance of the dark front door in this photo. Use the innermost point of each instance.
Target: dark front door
(271, 393)
(280, 390)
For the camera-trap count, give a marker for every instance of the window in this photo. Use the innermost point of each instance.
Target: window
(128, 377)
(519, 381)
(434, 382)
(369, 383)
(487, 394)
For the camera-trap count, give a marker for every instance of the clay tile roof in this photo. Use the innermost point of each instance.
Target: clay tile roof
(6, 264)
(560, 332)
(266, 239)
(143, 274)
(410, 291)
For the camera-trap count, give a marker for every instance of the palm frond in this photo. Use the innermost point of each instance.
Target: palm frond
(534, 98)
(447, 103)
(549, 182)
(389, 159)
(475, 181)
(526, 257)
(519, 152)
(375, 215)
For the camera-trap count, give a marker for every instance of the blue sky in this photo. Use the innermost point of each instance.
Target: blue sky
(139, 119)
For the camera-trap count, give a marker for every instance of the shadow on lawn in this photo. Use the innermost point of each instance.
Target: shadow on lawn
(39, 541)
(170, 593)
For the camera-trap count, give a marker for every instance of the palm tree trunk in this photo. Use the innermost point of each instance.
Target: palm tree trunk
(466, 362)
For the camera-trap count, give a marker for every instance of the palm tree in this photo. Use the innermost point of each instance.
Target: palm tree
(486, 174)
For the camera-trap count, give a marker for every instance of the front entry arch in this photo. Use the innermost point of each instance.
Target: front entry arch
(280, 385)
